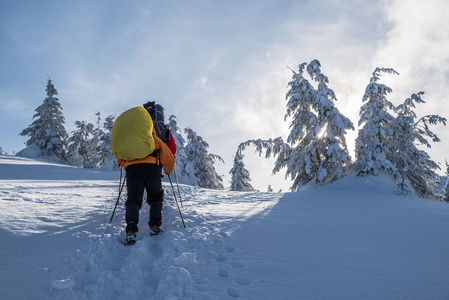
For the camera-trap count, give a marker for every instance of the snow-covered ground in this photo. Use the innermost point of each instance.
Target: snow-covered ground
(354, 239)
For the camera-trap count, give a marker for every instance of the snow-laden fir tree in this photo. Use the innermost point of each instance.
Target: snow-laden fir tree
(79, 144)
(317, 146)
(276, 148)
(181, 155)
(446, 186)
(1, 151)
(373, 140)
(414, 164)
(199, 166)
(240, 176)
(176, 132)
(332, 126)
(104, 151)
(92, 159)
(47, 131)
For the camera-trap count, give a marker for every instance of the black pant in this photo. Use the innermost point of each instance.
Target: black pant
(140, 177)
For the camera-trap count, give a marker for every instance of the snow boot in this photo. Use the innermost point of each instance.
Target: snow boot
(155, 230)
(130, 238)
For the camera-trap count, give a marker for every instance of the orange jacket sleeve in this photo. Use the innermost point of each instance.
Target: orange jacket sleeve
(165, 155)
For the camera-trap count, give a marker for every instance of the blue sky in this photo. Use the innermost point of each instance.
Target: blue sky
(219, 66)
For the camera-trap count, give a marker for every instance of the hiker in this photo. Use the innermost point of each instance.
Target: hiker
(142, 154)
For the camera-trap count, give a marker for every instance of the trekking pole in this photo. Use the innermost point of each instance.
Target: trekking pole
(119, 193)
(174, 194)
(179, 191)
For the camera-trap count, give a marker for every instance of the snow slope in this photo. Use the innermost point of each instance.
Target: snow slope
(354, 239)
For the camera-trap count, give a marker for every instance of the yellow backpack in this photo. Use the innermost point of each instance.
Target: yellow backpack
(132, 134)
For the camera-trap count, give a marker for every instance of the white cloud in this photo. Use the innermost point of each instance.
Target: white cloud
(417, 43)
(417, 47)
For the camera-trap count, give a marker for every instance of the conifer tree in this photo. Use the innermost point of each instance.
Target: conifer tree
(412, 163)
(104, 150)
(176, 131)
(316, 146)
(1, 150)
(446, 186)
(373, 141)
(240, 179)
(334, 154)
(199, 166)
(273, 148)
(180, 143)
(47, 130)
(92, 159)
(79, 144)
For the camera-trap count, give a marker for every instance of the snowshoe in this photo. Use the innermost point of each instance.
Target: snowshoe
(155, 230)
(130, 238)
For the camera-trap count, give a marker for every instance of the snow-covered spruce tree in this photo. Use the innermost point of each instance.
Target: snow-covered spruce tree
(199, 166)
(1, 150)
(374, 138)
(180, 143)
(412, 163)
(92, 159)
(333, 150)
(446, 186)
(47, 130)
(176, 132)
(104, 151)
(276, 147)
(240, 176)
(316, 144)
(79, 144)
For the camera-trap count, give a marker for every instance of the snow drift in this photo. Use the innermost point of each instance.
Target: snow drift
(353, 239)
